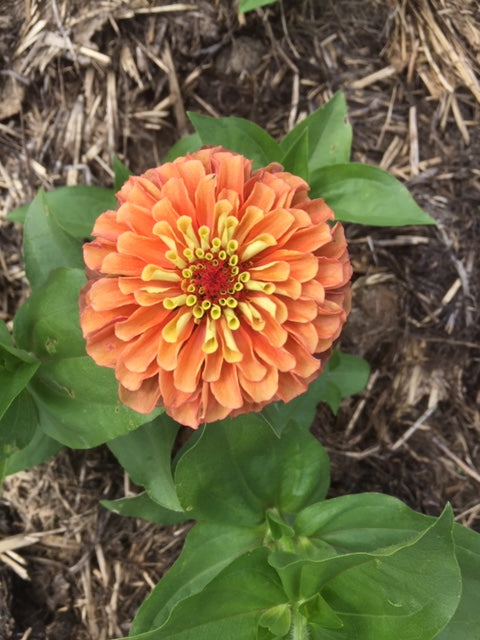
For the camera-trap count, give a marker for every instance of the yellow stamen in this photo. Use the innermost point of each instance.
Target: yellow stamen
(173, 303)
(258, 285)
(174, 328)
(154, 272)
(211, 344)
(263, 241)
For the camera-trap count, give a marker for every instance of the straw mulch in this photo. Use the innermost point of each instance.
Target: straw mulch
(81, 80)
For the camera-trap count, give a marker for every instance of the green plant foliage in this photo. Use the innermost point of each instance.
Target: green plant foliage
(186, 145)
(328, 132)
(296, 158)
(229, 606)
(17, 424)
(238, 135)
(78, 403)
(142, 506)
(46, 246)
(74, 209)
(146, 456)
(40, 448)
(362, 566)
(344, 375)
(121, 174)
(47, 324)
(16, 369)
(466, 621)
(249, 5)
(209, 548)
(366, 195)
(238, 468)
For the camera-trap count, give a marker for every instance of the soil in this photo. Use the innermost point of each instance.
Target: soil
(80, 81)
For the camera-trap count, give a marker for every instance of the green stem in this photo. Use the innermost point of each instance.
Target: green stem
(299, 628)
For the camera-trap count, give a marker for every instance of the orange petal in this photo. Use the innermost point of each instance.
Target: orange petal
(138, 219)
(139, 353)
(104, 346)
(107, 226)
(105, 294)
(227, 389)
(142, 400)
(149, 250)
(190, 361)
(118, 264)
(140, 320)
(265, 389)
(94, 253)
(176, 192)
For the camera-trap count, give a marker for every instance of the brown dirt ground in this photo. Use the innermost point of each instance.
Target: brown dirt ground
(80, 80)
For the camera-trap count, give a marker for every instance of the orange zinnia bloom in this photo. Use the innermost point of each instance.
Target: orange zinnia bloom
(214, 289)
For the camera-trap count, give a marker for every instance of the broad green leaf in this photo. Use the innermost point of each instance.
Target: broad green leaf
(46, 246)
(18, 423)
(47, 324)
(78, 403)
(186, 145)
(40, 448)
(366, 195)
(208, 549)
(466, 621)
(121, 175)
(368, 521)
(5, 335)
(238, 468)
(239, 135)
(16, 369)
(343, 375)
(230, 606)
(360, 522)
(249, 5)
(329, 134)
(390, 593)
(295, 159)
(146, 455)
(142, 506)
(74, 209)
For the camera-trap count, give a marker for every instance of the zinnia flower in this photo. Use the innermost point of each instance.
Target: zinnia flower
(214, 289)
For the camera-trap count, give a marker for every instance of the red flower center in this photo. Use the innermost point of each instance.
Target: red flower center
(213, 279)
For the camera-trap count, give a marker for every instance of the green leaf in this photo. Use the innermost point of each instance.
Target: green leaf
(366, 195)
(230, 606)
(146, 456)
(239, 135)
(208, 549)
(16, 369)
(389, 593)
(46, 246)
(238, 468)
(142, 506)
(295, 159)
(40, 448)
(360, 522)
(18, 423)
(343, 375)
(121, 175)
(368, 521)
(5, 335)
(186, 145)
(466, 621)
(47, 324)
(329, 134)
(78, 403)
(249, 5)
(74, 209)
